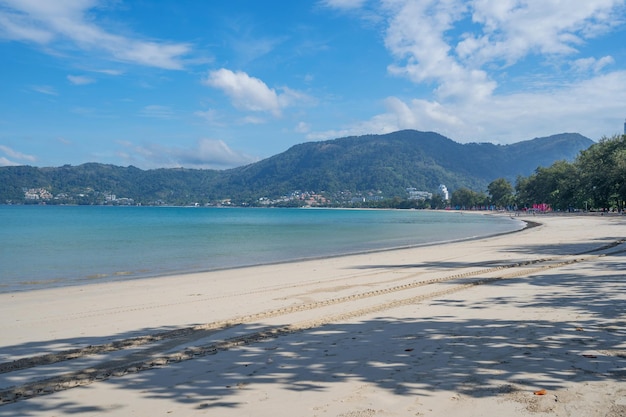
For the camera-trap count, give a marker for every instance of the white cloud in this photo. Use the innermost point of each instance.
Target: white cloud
(16, 27)
(421, 39)
(110, 72)
(253, 120)
(419, 36)
(289, 98)
(4, 162)
(161, 55)
(513, 29)
(44, 89)
(80, 79)
(416, 38)
(214, 153)
(206, 154)
(466, 53)
(245, 92)
(507, 118)
(592, 64)
(15, 155)
(50, 23)
(303, 127)
(251, 94)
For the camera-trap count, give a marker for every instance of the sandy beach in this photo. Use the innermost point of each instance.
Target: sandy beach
(531, 323)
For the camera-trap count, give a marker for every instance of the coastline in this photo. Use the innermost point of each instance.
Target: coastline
(77, 271)
(469, 328)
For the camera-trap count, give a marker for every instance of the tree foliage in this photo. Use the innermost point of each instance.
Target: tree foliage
(602, 171)
(467, 199)
(557, 185)
(501, 193)
(595, 180)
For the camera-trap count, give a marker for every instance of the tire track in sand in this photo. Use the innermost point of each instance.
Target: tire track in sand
(142, 361)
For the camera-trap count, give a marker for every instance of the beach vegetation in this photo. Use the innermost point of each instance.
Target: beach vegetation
(556, 185)
(501, 193)
(466, 199)
(595, 180)
(602, 170)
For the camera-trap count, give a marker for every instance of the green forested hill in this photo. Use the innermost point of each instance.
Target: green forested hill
(387, 163)
(395, 161)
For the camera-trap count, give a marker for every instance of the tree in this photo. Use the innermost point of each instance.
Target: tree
(437, 202)
(466, 199)
(501, 192)
(557, 185)
(602, 170)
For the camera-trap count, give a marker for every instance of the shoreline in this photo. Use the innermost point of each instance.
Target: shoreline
(103, 278)
(471, 328)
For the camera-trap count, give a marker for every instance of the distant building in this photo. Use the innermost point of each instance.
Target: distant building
(37, 194)
(415, 194)
(443, 190)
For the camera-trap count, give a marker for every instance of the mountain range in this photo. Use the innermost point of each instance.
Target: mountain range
(385, 164)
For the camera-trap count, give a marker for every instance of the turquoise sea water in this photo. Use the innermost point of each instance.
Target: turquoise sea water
(46, 246)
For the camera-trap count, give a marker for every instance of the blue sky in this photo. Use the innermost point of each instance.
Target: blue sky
(218, 84)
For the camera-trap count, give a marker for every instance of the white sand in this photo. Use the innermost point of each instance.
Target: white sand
(463, 329)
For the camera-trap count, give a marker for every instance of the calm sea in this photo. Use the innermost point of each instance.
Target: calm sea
(48, 246)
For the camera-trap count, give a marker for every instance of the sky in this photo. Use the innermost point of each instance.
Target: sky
(223, 83)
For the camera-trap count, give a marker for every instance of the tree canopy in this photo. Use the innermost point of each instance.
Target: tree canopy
(501, 193)
(595, 180)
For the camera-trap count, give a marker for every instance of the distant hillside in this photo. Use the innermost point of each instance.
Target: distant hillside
(387, 163)
(398, 160)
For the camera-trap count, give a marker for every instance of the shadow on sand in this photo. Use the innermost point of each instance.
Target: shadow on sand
(480, 355)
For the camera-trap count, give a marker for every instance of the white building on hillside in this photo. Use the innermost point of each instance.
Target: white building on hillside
(415, 194)
(443, 190)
